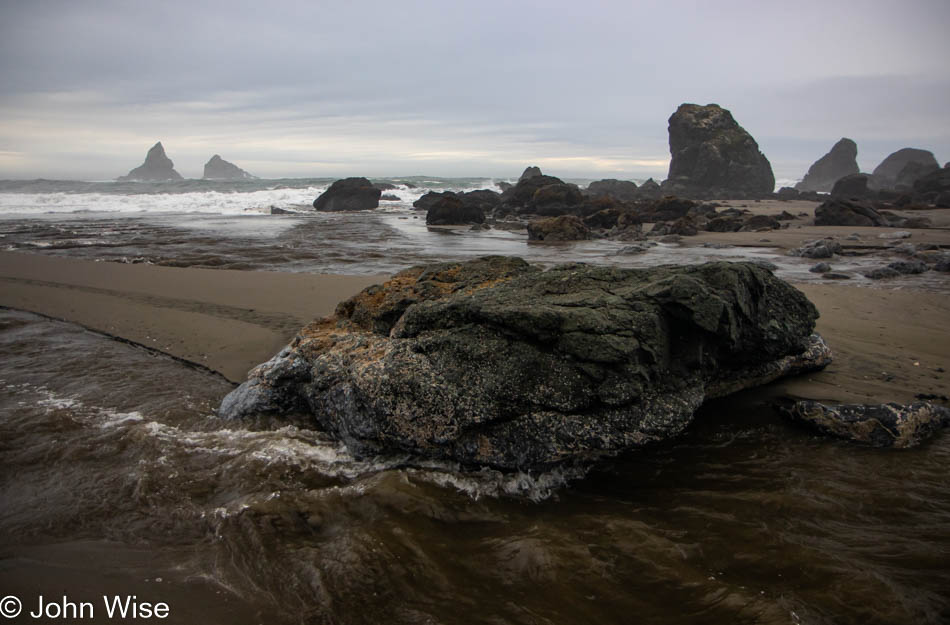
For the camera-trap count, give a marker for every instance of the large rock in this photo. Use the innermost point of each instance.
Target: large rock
(530, 172)
(852, 186)
(219, 169)
(453, 211)
(563, 228)
(881, 425)
(349, 194)
(495, 362)
(912, 172)
(619, 189)
(712, 155)
(841, 161)
(934, 182)
(885, 175)
(847, 212)
(156, 168)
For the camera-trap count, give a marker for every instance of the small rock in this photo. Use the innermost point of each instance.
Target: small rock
(832, 275)
(908, 266)
(900, 234)
(821, 268)
(884, 425)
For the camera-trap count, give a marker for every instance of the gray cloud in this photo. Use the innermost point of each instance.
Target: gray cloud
(478, 88)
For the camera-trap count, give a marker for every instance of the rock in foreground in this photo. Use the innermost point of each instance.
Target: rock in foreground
(883, 425)
(495, 362)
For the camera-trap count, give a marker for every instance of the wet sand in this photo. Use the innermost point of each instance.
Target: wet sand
(889, 344)
(228, 321)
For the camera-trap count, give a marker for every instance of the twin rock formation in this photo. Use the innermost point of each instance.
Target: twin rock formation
(159, 168)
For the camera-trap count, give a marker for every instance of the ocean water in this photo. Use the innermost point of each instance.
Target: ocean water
(118, 477)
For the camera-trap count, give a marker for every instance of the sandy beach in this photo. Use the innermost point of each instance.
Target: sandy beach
(889, 345)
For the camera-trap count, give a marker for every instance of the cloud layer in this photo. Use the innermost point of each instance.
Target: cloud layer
(386, 88)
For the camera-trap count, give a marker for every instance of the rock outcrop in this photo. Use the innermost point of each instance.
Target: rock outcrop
(852, 186)
(219, 169)
(882, 425)
(156, 168)
(452, 210)
(530, 172)
(495, 362)
(618, 189)
(563, 228)
(349, 194)
(851, 212)
(713, 156)
(841, 161)
(886, 174)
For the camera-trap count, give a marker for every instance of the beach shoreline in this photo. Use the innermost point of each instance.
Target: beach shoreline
(230, 321)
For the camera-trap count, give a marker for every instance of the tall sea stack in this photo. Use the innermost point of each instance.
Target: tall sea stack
(841, 161)
(156, 168)
(713, 156)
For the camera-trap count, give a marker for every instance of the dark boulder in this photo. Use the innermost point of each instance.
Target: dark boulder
(494, 362)
(431, 198)
(669, 208)
(619, 189)
(841, 161)
(724, 223)
(882, 425)
(389, 197)
(604, 218)
(453, 211)
(912, 172)
(757, 223)
(788, 193)
(520, 195)
(650, 190)
(712, 155)
(156, 168)
(935, 182)
(562, 228)
(349, 194)
(855, 185)
(483, 199)
(555, 199)
(530, 172)
(885, 175)
(842, 212)
(219, 169)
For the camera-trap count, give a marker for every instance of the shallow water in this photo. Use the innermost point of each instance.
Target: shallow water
(744, 519)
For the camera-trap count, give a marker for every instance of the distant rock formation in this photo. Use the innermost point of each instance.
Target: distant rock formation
(712, 155)
(886, 174)
(841, 161)
(349, 194)
(156, 168)
(854, 185)
(219, 169)
(530, 172)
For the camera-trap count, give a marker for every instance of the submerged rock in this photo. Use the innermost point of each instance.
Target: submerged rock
(349, 194)
(219, 169)
(883, 425)
(156, 168)
(841, 161)
(714, 155)
(495, 362)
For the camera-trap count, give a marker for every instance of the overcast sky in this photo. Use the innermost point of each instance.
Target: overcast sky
(582, 88)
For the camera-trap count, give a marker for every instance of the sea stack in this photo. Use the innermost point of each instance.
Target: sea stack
(887, 174)
(841, 161)
(713, 156)
(219, 169)
(156, 168)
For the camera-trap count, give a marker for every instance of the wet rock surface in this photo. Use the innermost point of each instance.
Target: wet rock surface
(495, 362)
(880, 425)
(349, 194)
(713, 156)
